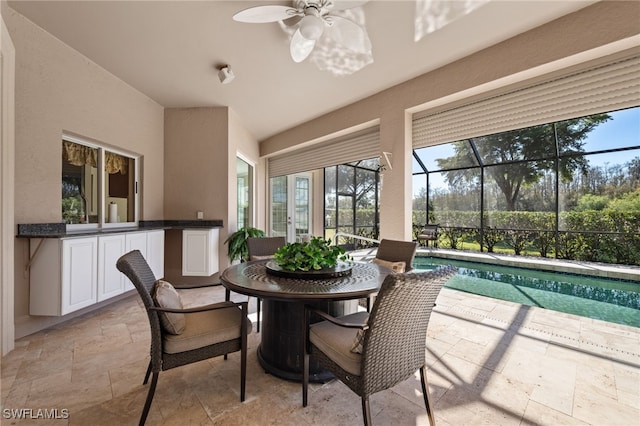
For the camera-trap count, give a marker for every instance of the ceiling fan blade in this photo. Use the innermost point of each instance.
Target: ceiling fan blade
(300, 47)
(349, 34)
(347, 4)
(270, 13)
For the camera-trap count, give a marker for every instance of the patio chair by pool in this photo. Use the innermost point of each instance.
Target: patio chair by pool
(373, 352)
(395, 255)
(180, 336)
(259, 249)
(429, 233)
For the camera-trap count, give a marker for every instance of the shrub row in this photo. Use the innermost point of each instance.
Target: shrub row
(602, 236)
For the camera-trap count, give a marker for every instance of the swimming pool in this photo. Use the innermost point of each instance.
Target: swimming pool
(593, 297)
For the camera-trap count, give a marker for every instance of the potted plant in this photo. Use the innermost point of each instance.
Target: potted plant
(315, 255)
(238, 242)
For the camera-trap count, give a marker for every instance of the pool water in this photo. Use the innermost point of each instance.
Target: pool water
(600, 298)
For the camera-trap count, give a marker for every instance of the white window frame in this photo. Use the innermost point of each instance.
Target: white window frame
(102, 208)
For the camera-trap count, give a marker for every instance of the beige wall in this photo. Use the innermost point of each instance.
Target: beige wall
(196, 171)
(242, 143)
(59, 90)
(590, 28)
(195, 155)
(201, 145)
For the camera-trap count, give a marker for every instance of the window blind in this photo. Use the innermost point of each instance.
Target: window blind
(354, 147)
(596, 90)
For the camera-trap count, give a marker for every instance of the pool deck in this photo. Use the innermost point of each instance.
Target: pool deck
(604, 270)
(490, 362)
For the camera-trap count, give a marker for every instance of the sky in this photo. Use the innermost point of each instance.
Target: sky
(622, 131)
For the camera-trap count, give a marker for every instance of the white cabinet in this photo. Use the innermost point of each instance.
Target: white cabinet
(68, 274)
(199, 252)
(111, 282)
(65, 277)
(79, 273)
(155, 252)
(135, 241)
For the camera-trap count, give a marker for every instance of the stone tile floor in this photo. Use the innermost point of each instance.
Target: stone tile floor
(490, 362)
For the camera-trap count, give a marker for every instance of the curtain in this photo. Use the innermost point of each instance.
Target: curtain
(582, 92)
(115, 163)
(80, 155)
(354, 147)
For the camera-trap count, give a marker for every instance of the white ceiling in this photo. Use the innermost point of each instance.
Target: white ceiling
(169, 50)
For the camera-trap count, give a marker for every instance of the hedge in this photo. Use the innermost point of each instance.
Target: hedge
(597, 236)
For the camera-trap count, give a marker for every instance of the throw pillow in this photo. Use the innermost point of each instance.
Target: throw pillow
(398, 267)
(266, 257)
(166, 296)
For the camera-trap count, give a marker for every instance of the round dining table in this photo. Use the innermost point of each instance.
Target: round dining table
(282, 331)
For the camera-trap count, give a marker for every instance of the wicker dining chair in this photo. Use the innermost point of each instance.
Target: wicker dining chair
(180, 336)
(396, 255)
(392, 338)
(263, 248)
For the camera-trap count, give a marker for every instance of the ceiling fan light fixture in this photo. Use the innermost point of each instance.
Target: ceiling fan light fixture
(311, 27)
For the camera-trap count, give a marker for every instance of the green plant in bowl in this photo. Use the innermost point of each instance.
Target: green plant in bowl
(316, 254)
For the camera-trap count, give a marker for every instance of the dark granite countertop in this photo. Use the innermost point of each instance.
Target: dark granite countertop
(59, 230)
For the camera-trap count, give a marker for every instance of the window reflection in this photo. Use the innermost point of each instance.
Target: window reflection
(79, 183)
(120, 187)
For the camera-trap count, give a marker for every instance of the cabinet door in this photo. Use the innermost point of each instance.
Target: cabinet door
(199, 252)
(135, 241)
(111, 282)
(79, 273)
(155, 252)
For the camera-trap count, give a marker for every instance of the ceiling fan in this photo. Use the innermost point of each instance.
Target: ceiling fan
(315, 19)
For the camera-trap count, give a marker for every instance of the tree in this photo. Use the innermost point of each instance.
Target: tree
(522, 157)
(634, 172)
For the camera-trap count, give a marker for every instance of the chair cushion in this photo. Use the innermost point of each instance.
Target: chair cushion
(207, 328)
(336, 341)
(265, 257)
(398, 267)
(166, 296)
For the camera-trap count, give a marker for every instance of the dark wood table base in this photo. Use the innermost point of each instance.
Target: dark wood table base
(283, 298)
(281, 348)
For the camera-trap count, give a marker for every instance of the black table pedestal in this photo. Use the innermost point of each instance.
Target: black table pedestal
(281, 348)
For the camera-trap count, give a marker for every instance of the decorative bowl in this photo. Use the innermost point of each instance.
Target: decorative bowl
(342, 269)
